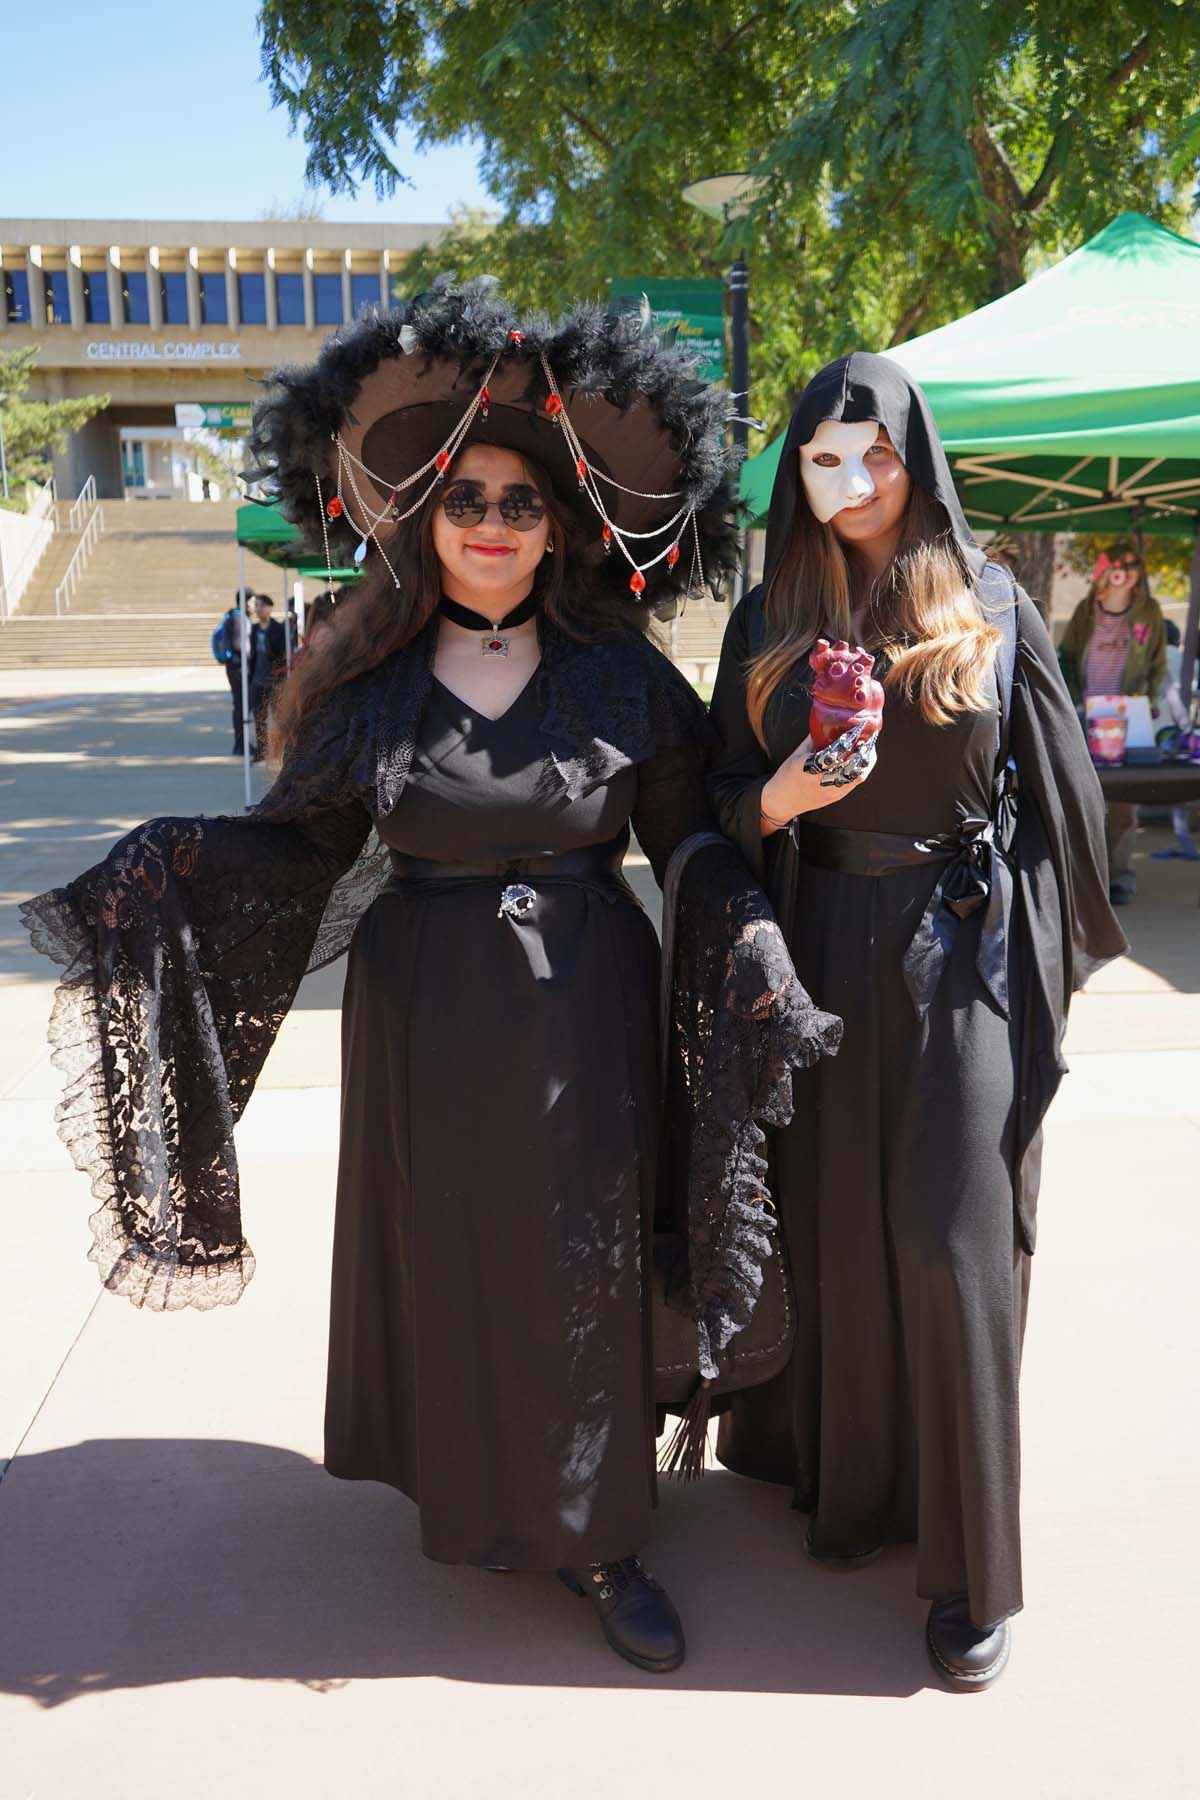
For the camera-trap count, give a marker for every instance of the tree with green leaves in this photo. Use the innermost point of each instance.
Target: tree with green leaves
(921, 156)
(34, 429)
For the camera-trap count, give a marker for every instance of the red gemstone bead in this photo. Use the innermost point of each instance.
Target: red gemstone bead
(672, 556)
(516, 337)
(485, 401)
(581, 471)
(606, 538)
(335, 509)
(553, 405)
(442, 461)
(637, 581)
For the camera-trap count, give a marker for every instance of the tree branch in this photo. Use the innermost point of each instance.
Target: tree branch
(911, 319)
(747, 25)
(1125, 70)
(589, 130)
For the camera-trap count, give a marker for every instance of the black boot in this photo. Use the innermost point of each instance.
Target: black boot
(967, 1656)
(636, 1615)
(857, 1559)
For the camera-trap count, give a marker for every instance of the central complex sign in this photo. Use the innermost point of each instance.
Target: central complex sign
(127, 350)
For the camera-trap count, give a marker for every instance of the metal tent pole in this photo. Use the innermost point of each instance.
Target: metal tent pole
(245, 650)
(1191, 630)
(287, 624)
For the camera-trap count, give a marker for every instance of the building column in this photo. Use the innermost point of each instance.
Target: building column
(192, 270)
(116, 301)
(75, 288)
(154, 289)
(310, 297)
(385, 281)
(231, 290)
(271, 291)
(347, 301)
(37, 288)
(3, 301)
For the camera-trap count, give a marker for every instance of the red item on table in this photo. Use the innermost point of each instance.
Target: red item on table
(845, 692)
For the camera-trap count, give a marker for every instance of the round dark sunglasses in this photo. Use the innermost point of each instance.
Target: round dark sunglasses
(466, 505)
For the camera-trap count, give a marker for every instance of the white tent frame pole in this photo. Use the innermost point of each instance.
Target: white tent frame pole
(245, 650)
(287, 629)
(1191, 629)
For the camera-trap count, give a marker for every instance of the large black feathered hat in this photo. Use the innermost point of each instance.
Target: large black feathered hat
(354, 443)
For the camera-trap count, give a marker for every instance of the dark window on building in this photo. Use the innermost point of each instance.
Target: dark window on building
(174, 299)
(289, 294)
(136, 296)
(214, 308)
(364, 292)
(252, 299)
(58, 298)
(16, 296)
(95, 296)
(327, 292)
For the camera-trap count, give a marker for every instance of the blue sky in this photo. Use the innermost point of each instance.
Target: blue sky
(133, 110)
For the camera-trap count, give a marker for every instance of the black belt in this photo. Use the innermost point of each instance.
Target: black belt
(974, 875)
(594, 866)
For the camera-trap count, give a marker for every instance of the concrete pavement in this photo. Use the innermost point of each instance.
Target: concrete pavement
(190, 1606)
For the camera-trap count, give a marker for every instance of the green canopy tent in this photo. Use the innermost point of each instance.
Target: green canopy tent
(1072, 404)
(265, 532)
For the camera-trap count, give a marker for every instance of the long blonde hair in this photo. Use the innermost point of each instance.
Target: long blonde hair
(923, 614)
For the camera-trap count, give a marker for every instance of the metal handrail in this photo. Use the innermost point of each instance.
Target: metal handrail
(75, 567)
(86, 498)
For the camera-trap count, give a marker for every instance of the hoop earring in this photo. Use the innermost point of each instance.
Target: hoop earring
(549, 550)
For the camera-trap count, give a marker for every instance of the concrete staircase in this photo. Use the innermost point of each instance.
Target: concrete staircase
(158, 581)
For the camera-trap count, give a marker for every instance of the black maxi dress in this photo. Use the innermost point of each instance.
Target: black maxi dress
(907, 1180)
(487, 1342)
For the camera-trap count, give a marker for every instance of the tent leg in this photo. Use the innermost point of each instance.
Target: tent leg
(245, 672)
(287, 628)
(1191, 632)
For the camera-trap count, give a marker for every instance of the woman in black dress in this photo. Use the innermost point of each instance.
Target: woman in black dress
(947, 917)
(490, 703)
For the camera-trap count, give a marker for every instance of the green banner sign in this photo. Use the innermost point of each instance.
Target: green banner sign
(694, 310)
(227, 415)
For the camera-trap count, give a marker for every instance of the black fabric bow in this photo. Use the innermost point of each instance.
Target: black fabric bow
(976, 875)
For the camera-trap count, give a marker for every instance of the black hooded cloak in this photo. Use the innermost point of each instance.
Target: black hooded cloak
(948, 918)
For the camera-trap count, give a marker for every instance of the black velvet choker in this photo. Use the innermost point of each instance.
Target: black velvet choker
(474, 621)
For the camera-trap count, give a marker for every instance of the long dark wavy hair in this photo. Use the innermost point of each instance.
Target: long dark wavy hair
(377, 618)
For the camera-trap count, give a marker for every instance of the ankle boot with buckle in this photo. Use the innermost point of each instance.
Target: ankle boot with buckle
(636, 1615)
(968, 1657)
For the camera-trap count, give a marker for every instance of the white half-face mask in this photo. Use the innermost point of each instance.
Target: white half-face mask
(847, 482)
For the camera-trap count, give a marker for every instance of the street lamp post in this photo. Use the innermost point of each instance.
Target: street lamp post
(725, 198)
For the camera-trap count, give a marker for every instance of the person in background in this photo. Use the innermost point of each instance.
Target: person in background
(227, 649)
(268, 651)
(1116, 643)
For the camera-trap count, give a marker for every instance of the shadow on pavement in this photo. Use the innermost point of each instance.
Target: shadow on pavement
(130, 1563)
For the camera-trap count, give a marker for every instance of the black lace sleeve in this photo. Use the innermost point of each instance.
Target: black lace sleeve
(181, 953)
(741, 1023)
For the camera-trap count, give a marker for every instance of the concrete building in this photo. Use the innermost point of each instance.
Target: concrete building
(165, 315)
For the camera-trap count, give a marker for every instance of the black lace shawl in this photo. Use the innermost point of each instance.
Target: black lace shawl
(182, 952)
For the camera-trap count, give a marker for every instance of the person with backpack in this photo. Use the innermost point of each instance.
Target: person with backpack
(946, 906)
(226, 649)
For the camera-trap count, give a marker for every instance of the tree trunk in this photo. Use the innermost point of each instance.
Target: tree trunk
(1035, 567)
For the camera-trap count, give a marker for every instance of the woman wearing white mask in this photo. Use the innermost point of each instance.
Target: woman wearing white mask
(947, 917)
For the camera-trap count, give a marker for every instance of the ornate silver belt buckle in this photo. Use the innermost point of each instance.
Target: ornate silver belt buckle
(516, 901)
